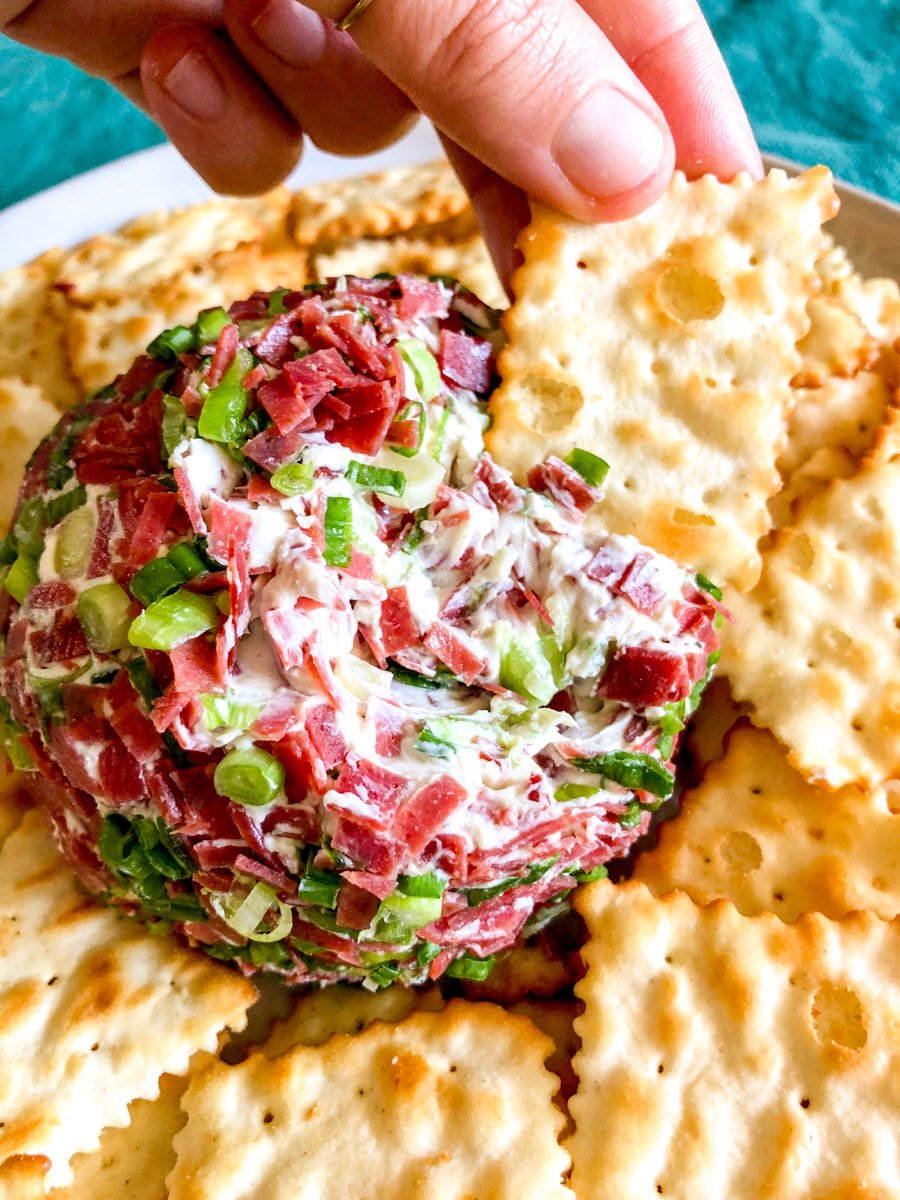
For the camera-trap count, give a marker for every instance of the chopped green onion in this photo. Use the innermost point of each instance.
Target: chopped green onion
(338, 531)
(74, 542)
(426, 953)
(103, 613)
(435, 747)
(185, 559)
(246, 916)
(11, 733)
(440, 434)
(319, 887)
(224, 407)
(442, 678)
(384, 975)
(174, 425)
(174, 619)
(426, 884)
(531, 666)
(672, 720)
(377, 479)
(631, 817)
(8, 551)
(269, 953)
(29, 527)
(223, 602)
(423, 365)
(406, 912)
(221, 712)
(573, 791)
(155, 579)
(707, 585)
(169, 344)
(251, 776)
(68, 502)
(276, 302)
(293, 479)
(590, 467)
(142, 681)
(470, 967)
(405, 415)
(209, 325)
(537, 871)
(21, 577)
(590, 876)
(631, 769)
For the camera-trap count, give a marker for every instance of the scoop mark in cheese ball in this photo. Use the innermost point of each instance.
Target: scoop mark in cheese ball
(302, 673)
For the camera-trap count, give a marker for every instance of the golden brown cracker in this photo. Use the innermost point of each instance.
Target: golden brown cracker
(377, 205)
(725, 1055)
(666, 344)
(755, 832)
(815, 647)
(32, 345)
(26, 415)
(443, 1106)
(93, 1008)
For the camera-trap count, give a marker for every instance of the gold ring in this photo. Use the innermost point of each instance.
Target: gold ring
(355, 11)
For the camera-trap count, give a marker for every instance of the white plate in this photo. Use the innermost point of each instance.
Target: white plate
(105, 198)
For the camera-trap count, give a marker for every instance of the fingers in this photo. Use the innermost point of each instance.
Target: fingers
(343, 102)
(501, 208)
(214, 110)
(669, 46)
(103, 37)
(533, 89)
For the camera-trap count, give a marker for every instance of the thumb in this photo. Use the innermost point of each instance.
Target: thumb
(532, 88)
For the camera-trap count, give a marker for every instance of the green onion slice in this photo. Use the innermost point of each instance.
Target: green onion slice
(590, 467)
(319, 887)
(74, 542)
(423, 365)
(174, 619)
(103, 613)
(68, 502)
(174, 426)
(470, 967)
(276, 302)
(29, 527)
(707, 585)
(406, 415)
(574, 791)
(429, 743)
(172, 342)
(377, 479)
(219, 712)
(251, 776)
(632, 769)
(293, 479)
(246, 916)
(224, 407)
(21, 577)
(209, 325)
(338, 531)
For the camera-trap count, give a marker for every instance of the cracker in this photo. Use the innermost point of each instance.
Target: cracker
(25, 417)
(468, 261)
(451, 1105)
(93, 1009)
(344, 1009)
(377, 205)
(756, 833)
(815, 647)
(154, 249)
(717, 715)
(14, 802)
(556, 1018)
(732, 1056)
(132, 1163)
(666, 344)
(32, 330)
(832, 425)
(105, 339)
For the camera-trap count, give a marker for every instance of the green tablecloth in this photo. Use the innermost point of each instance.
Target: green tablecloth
(818, 77)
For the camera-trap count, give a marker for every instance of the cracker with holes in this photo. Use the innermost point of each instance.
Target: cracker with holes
(733, 1056)
(26, 415)
(815, 647)
(443, 1106)
(93, 1010)
(32, 330)
(755, 832)
(666, 345)
(378, 205)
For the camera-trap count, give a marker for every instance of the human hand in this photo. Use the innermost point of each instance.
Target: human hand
(586, 104)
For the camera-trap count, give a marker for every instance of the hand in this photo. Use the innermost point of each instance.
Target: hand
(587, 104)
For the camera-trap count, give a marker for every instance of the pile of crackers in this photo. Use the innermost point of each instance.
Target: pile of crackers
(736, 1032)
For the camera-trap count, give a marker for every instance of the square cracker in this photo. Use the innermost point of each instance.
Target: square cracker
(666, 344)
(378, 205)
(731, 1056)
(444, 1106)
(755, 832)
(815, 647)
(25, 417)
(32, 328)
(93, 1010)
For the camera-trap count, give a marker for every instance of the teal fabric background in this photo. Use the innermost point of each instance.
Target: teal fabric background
(818, 77)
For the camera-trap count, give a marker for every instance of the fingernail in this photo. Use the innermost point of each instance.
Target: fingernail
(294, 34)
(193, 83)
(609, 146)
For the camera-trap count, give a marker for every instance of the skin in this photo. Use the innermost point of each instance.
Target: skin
(587, 104)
